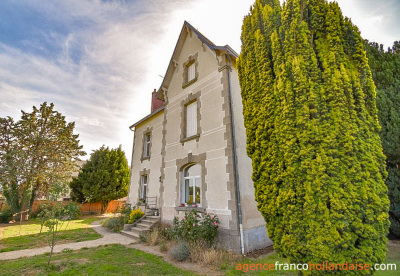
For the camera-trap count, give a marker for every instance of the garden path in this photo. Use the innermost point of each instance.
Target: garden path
(108, 238)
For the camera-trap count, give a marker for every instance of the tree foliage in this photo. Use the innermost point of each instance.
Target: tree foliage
(36, 152)
(103, 178)
(313, 133)
(385, 67)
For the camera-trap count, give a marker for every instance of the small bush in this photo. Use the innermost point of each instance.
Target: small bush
(202, 254)
(115, 224)
(180, 252)
(154, 237)
(143, 238)
(135, 215)
(71, 211)
(193, 228)
(163, 246)
(6, 215)
(43, 208)
(125, 212)
(164, 229)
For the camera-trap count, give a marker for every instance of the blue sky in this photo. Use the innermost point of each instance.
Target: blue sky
(99, 61)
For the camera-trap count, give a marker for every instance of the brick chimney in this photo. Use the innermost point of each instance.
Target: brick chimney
(155, 103)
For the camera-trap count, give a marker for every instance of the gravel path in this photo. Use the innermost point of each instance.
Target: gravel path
(108, 238)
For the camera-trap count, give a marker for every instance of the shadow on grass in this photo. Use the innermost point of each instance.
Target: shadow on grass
(41, 239)
(103, 260)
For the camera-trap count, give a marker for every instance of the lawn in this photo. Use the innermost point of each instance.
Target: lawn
(104, 260)
(30, 237)
(393, 257)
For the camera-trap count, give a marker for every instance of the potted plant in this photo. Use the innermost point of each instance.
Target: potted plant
(194, 205)
(182, 204)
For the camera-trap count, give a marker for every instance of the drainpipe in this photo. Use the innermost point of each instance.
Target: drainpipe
(239, 207)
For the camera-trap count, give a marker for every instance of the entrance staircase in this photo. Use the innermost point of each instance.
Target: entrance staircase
(141, 227)
(145, 223)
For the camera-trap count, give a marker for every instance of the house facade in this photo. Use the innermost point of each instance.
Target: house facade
(191, 148)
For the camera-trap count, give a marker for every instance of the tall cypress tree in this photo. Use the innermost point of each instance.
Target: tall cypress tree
(313, 132)
(385, 67)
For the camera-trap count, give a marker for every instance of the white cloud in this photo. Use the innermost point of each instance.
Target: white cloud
(101, 68)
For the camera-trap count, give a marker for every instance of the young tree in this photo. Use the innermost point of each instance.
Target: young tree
(313, 133)
(35, 152)
(385, 67)
(103, 178)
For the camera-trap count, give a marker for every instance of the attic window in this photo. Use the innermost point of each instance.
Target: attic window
(190, 71)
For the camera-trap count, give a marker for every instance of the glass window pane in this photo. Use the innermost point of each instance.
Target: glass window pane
(146, 149)
(198, 189)
(143, 188)
(192, 184)
(194, 170)
(189, 190)
(186, 190)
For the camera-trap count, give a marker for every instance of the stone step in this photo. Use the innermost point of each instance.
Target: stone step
(139, 229)
(131, 234)
(147, 221)
(143, 225)
(152, 217)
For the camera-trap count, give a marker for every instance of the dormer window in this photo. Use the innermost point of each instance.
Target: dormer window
(190, 71)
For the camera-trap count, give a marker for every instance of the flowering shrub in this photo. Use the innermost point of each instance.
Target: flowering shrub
(194, 228)
(135, 215)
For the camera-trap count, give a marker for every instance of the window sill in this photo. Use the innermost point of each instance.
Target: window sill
(145, 158)
(189, 83)
(189, 208)
(196, 136)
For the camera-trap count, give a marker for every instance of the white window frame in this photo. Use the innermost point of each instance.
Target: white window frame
(144, 179)
(191, 119)
(191, 72)
(196, 182)
(146, 147)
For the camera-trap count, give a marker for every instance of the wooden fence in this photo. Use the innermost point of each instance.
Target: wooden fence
(85, 207)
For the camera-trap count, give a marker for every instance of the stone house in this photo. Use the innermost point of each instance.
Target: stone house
(191, 148)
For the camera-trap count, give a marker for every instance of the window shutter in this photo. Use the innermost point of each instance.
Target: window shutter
(191, 72)
(191, 119)
(146, 147)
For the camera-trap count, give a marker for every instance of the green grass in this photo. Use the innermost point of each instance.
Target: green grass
(30, 237)
(393, 257)
(104, 260)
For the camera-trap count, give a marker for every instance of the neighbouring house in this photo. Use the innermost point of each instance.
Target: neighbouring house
(191, 148)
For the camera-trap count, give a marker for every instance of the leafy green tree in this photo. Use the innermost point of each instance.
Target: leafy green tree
(103, 178)
(313, 133)
(385, 67)
(36, 152)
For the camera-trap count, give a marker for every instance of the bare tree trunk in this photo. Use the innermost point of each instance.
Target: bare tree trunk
(20, 222)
